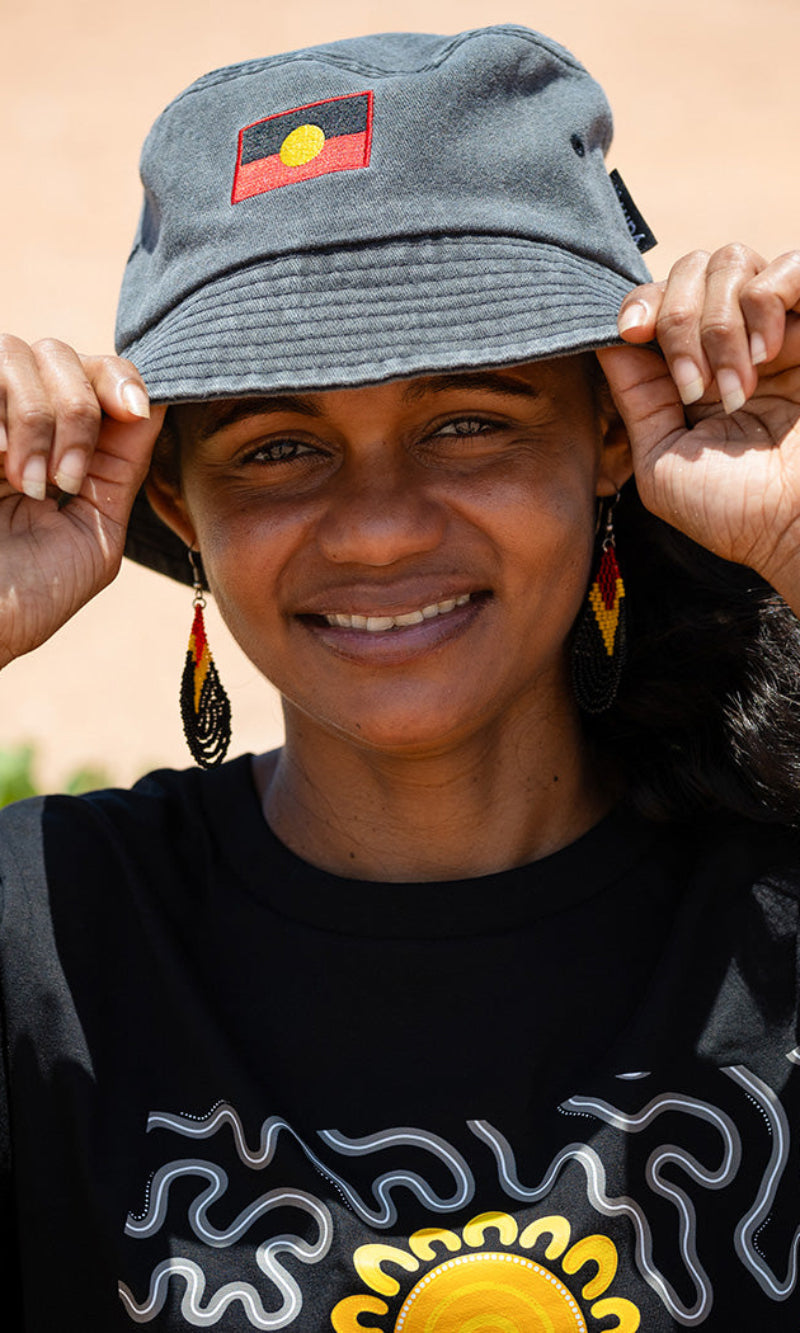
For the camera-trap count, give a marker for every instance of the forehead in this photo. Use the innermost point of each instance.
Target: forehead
(527, 382)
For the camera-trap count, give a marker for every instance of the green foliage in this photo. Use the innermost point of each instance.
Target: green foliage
(18, 776)
(86, 778)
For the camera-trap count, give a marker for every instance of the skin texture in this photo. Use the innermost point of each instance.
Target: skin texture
(378, 502)
(400, 747)
(731, 481)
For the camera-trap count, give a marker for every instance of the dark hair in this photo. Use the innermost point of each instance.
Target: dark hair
(706, 719)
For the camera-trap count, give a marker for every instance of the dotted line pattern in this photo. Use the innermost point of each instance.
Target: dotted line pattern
(761, 1112)
(568, 1110)
(187, 1115)
(139, 1217)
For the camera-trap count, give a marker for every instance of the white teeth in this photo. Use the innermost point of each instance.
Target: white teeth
(375, 624)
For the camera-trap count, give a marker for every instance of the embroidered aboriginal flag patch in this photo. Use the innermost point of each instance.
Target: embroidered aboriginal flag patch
(308, 141)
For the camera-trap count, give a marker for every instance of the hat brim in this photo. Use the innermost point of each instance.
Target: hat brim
(363, 315)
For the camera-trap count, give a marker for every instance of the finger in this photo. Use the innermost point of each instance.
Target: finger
(678, 326)
(28, 418)
(765, 300)
(638, 313)
(646, 398)
(76, 413)
(723, 331)
(788, 356)
(119, 387)
(118, 466)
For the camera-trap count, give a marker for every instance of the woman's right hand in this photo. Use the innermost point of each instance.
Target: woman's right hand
(76, 435)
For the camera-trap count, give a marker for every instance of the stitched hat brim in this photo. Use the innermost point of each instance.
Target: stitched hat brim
(363, 315)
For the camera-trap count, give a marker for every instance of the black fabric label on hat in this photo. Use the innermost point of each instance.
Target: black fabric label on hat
(641, 234)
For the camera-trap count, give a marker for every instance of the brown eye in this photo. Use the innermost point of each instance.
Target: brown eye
(466, 426)
(278, 451)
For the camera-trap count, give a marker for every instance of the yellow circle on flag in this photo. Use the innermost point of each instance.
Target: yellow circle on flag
(302, 145)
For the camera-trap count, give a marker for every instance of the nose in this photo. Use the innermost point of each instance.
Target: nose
(378, 514)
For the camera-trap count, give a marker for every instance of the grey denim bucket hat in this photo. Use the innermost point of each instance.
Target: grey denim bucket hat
(371, 209)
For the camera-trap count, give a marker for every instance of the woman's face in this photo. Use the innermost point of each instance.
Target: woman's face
(404, 561)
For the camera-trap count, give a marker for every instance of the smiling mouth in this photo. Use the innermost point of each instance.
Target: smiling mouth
(379, 624)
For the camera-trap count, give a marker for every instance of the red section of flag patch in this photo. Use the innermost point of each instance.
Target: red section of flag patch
(343, 154)
(298, 145)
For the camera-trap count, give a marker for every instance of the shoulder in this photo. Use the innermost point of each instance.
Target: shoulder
(731, 856)
(169, 820)
(158, 798)
(740, 920)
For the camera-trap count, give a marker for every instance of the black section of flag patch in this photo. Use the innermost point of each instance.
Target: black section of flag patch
(341, 115)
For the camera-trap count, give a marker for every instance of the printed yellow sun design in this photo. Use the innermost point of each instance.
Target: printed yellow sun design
(472, 1290)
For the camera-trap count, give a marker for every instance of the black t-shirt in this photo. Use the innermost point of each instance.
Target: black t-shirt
(246, 1094)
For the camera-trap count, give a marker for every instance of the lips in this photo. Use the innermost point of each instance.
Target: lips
(375, 624)
(396, 635)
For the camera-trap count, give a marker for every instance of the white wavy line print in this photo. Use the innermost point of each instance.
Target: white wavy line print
(414, 1138)
(756, 1218)
(191, 1308)
(265, 1253)
(386, 1214)
(634, 1124)
(624, 1205)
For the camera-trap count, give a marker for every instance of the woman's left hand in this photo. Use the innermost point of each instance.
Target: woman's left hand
(714, 421)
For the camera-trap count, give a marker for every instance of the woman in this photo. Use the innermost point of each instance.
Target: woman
(475, 1006)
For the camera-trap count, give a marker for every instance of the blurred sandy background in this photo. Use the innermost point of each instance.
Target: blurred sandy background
(708, 131)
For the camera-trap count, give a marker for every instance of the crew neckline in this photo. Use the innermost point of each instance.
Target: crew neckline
(495, 903)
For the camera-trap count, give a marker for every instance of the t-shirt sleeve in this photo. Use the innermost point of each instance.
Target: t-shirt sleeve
(20, 851)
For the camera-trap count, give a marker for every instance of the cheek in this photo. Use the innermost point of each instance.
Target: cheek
(246, 555)
(546, 533)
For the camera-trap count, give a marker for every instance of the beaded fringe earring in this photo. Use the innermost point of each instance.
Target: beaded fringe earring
(205, 707)
(598, 649)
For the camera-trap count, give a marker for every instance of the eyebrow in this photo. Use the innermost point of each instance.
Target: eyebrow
(218, 416)
(486, 381)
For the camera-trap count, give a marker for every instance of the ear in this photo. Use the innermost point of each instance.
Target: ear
(616, 460)
(166, 499)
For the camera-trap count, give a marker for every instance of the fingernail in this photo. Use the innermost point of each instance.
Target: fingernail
(688, 380)
(136, 400)
(634, 316)
(34, 477)
(730, 390)
(70, 473)
(758, 349)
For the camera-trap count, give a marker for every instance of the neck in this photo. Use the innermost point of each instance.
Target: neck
(480, 806)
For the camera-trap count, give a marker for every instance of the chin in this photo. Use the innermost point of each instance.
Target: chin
(398, 726)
